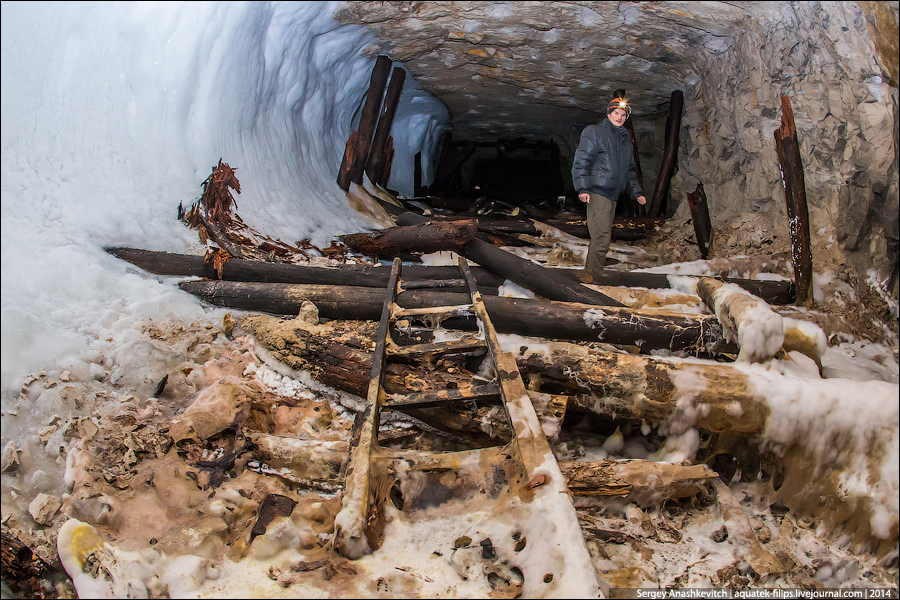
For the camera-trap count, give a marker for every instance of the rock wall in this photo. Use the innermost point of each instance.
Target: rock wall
(822, 56)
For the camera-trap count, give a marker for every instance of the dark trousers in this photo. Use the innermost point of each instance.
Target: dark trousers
(600, 214)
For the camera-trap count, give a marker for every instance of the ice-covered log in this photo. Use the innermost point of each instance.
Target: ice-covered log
(745, 319)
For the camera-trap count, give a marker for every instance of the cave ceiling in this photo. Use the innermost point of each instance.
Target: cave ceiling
(546, 69)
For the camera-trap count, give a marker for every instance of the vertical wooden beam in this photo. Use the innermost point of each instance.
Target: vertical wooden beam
(637, 159)
(369, 116)
(385, 173)
(700, 217)
(788, 148)
(351, 151)
(375, 162)
(670, 154)
(417, 175)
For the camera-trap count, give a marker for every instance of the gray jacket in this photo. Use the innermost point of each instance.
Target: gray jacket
(604, 163)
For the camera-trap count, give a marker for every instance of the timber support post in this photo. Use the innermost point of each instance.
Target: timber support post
(670, 154)
(634, 151)
(369, 116)
(700, 216)
(788, 148)
(378, 155)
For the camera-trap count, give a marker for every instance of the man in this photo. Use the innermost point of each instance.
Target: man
(602, 169)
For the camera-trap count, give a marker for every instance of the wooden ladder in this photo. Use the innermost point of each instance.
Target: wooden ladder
(538, 474)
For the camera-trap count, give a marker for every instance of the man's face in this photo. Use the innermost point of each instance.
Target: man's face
(618, 117)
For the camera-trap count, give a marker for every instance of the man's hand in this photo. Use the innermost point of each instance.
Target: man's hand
(586, 198)
(642, 200)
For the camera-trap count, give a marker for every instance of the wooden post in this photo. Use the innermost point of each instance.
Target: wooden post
(637, 159)
(386, 165)
(453, 164)
(788, 148)
(351, 151)
(444, 153)
(670, 154)
(700, 216)
(375, 162)
(417, 175)
(369, 116)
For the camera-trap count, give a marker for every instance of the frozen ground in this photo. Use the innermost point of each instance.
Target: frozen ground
(112, 115)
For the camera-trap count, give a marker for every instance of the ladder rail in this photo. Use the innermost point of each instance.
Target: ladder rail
(350, 523)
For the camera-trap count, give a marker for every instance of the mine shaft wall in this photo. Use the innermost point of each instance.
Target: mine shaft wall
(844, 99)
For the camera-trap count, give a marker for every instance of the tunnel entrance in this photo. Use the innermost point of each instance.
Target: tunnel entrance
(518, 172)
(532, 175)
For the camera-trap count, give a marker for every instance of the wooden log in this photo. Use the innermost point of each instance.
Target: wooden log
(643, 482)
(627, 386)
(351, 150)
(773, 292)
(167, 263)
(787, 146)
(529, 275)
(369, 116)
(388, 162)
(700, 216)
(433, 236)
(670, 153)
(186, 265)
(522, 316)
(377, 156)
(620, 386)
(745, 319)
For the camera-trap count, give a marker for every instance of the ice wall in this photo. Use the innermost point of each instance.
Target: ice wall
(113, 113)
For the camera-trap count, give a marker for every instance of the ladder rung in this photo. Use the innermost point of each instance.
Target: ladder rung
(434, 398)
(460, 309)
(448, 347)
(432, 283)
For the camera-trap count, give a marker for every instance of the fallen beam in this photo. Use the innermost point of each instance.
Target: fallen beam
(187, 265)
(434, 236)
(522, 316)
(549, 284)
